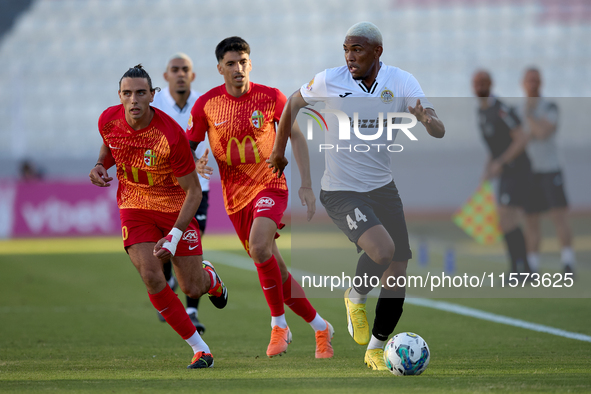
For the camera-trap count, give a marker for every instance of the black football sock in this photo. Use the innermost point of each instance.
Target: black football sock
(517, 251)
(167, 268)
(388, 312)
(192, 302)
(366, 268)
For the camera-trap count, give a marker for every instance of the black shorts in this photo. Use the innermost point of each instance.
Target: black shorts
(514, 188)
(201, 214)
(354, 213)
(547, 191)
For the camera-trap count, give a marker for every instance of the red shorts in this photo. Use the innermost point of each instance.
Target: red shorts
(269, 203)
(142, 225)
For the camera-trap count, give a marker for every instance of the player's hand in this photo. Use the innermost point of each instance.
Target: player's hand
(99, 176)
(309, 200)
(160, 252)
(201, 164)
(419, 112)
(166, 247)
(493, 169)
(277, 163)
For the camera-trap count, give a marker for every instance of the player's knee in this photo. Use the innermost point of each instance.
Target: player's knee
(153, 279)
(260, 252)
(383, 255)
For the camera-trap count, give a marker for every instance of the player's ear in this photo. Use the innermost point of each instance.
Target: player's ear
(119, 94)
(220, 69)
(192, 76)
(378, 51)
(165, 75)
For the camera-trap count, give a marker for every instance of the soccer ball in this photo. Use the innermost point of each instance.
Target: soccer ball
(406, 354)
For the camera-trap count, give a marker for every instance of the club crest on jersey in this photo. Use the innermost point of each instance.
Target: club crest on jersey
(264, 202)
(150, 158)
(387, 96)
(309, 87)
(257, 119)
(191, 236)
(190, 124)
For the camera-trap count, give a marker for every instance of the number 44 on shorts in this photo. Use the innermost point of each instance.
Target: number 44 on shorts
(358, 217)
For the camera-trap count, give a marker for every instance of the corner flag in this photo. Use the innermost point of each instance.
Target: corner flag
(478, 216)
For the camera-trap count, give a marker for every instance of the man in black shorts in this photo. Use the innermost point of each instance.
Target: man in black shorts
(540, 120)
(506, 142)
(358, 191)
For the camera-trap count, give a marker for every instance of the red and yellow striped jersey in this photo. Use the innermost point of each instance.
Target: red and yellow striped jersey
(241, 134)
(148, 160)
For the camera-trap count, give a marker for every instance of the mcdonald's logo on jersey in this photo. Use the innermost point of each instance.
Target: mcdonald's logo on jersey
(237, 150)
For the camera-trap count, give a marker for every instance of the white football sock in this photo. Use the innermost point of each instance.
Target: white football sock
(533, 260)
(357, 298)
(375, 343)
(568, 256)
(318, 324)
(197, 343)
(191, 310)
(278, 321)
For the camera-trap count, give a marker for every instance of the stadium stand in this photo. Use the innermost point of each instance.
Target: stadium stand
(61, 58)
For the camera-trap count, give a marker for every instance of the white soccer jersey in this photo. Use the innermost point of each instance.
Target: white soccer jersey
(164, 101)
(362, 163)
(543, 153)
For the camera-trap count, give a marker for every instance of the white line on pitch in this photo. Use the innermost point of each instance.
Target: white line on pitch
(242, 262)
(472, 312)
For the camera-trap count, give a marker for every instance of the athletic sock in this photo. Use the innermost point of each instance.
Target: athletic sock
(517, 252)
(213, 282)
(270, 279)
(295, 298)
(567, 256)
(197, 343)
(533, 260)
(278, 321)
(375, 343)
(192, 303)
(190, 310)
(388, 312)
(367, 269)
(318, 323)
(357, 298)
(167, 269)
(171, 308)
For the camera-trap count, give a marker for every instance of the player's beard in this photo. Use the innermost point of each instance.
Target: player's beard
(181, 92)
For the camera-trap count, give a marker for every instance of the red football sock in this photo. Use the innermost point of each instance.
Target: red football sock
(270, 278)
(296, 300)
(171, 308)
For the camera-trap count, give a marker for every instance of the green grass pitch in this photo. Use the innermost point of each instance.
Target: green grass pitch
(82, 322)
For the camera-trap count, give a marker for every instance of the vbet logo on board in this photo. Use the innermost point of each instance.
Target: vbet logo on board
(345, 123)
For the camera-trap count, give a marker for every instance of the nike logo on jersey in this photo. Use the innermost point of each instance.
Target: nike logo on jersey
(264, 209)
(217, 124)
(345, 95)
(113, 147)
(192, 247)
(268, 288)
